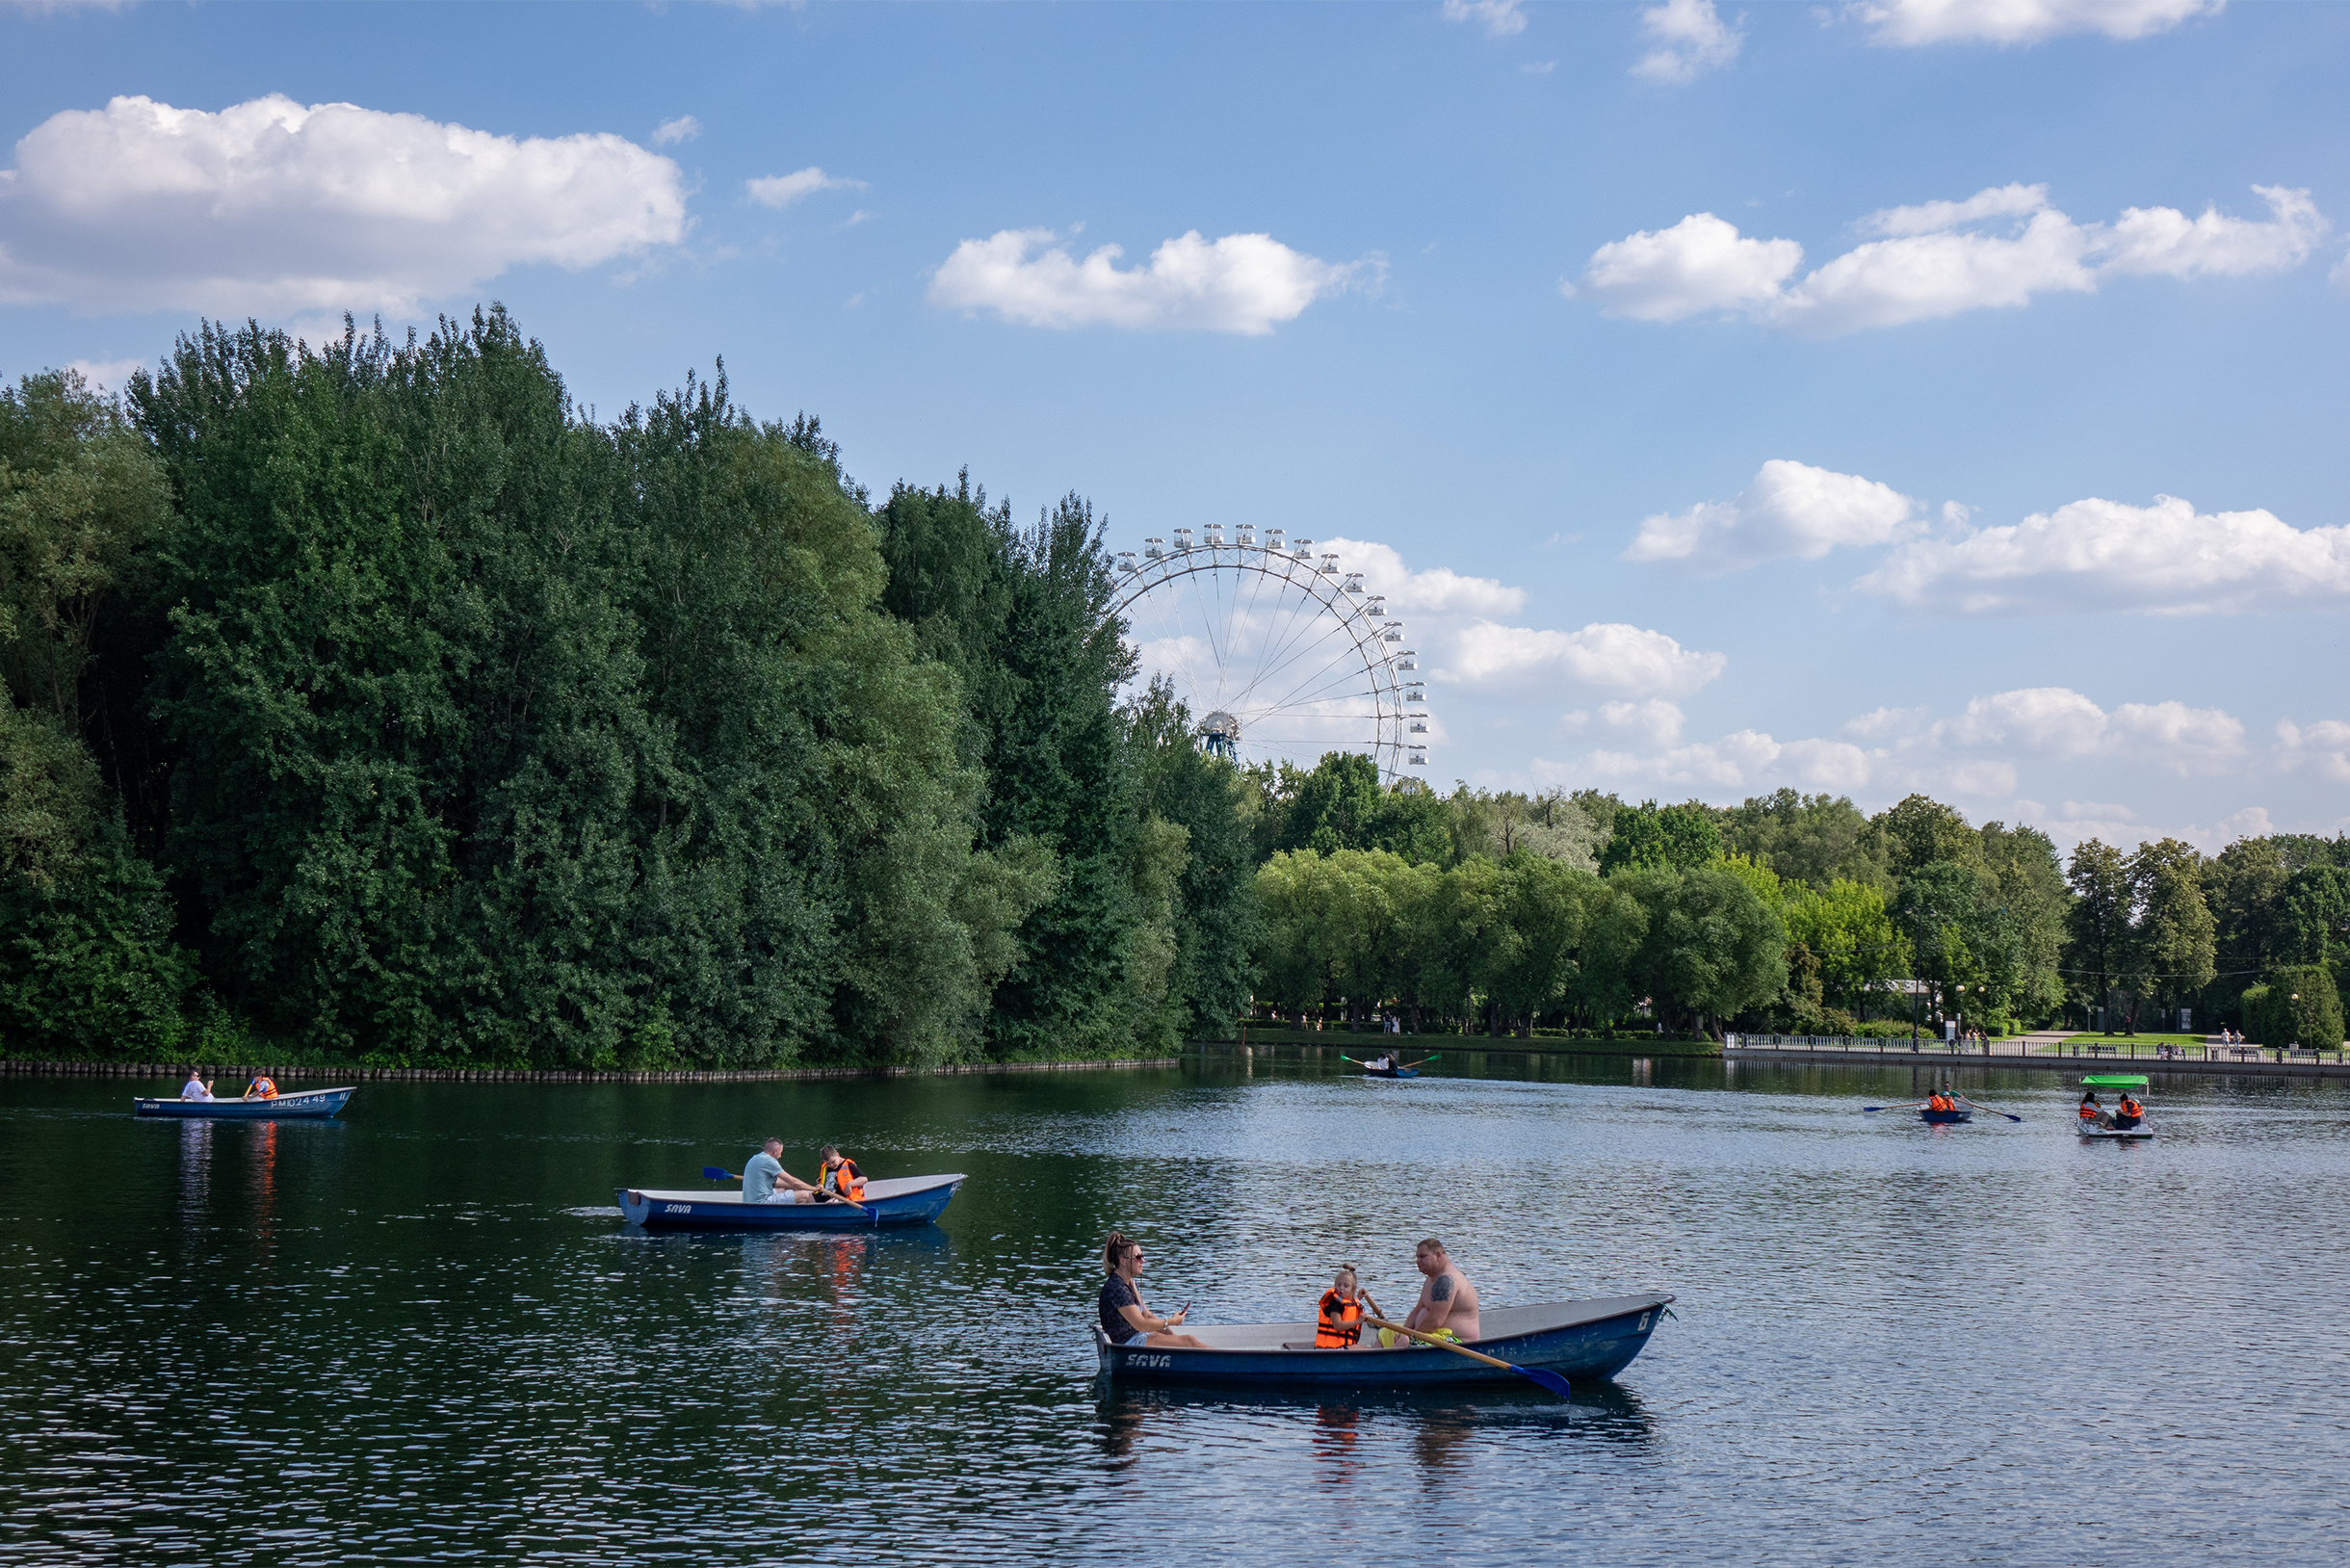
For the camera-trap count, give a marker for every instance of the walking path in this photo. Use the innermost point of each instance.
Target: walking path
(2064, 1050)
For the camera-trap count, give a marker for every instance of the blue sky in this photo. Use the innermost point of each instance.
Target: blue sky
(1726, 399)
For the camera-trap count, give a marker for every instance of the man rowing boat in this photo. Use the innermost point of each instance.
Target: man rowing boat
(1447, 1301)
(766, 1181)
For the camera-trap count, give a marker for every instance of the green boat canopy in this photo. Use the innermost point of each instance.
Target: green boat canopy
(2114, 1081)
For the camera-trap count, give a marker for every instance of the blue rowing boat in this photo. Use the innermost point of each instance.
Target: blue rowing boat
(1577, 1340)
(1946, 1118)
(903, 1200)
(310, 1105)
(1391, 1072)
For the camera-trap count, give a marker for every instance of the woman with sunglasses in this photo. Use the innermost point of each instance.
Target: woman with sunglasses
(1125, 1319)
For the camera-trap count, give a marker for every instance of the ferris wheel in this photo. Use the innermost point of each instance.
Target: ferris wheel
(1280, 653)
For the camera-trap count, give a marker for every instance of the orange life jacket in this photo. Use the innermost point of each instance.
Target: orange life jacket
(1938, 1101)
(1342, 1323)
(842, 1176)
(2088, 1112)
(2131, 1109)
(263, 1089)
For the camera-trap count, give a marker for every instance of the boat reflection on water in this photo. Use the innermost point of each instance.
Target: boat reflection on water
(195, 1172)
(1358, 1437)
(261, 1158)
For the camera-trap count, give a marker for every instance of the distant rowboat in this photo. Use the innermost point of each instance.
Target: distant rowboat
(1947, 1118)
(1577, 1340)
(903, 1200)
(312, 1105)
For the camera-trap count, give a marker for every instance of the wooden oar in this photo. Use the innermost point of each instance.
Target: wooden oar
(711, 1173)
(1424, 1060)
(1550, 1380)
(1911, 1106)
(1979, 1106)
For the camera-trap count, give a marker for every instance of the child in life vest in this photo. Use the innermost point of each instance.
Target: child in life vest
(1339, 1321)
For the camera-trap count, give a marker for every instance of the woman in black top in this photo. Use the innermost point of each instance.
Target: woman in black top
(1125, 1319)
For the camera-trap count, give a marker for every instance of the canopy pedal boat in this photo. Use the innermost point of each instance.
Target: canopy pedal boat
(307, 1105)
(887, 1205)
(2119, 1134)
(1580, 1341)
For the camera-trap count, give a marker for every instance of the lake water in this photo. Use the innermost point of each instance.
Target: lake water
(421, 1334)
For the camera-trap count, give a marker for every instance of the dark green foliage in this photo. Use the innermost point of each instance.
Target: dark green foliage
(1680, 838)
(1813, 839)
(505, 738)
(1919, 831)
(2098, 922)
(2300, 1005)
(1021, 617)
(88, 967)
(1217, 925)
(1711, 949)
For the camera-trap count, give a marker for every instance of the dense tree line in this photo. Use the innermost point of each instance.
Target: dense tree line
(375, 701)
(1506, 911)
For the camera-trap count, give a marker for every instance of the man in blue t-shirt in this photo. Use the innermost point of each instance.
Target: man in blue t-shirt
(766, 1181)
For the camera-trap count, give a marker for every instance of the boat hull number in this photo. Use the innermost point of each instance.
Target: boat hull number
(1150, 1361)
(677, 1208)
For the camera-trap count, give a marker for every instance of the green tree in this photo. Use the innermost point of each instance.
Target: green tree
(2174, 938)
(1680, 837)
(1711, 949)
(1530, 960)
(2297, 1006)
(1847, 930)
(1919, 831)
(1814, 839)
(2098, 922)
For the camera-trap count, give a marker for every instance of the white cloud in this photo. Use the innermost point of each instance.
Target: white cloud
(1931, 265)
(2056, 722)
(1502, 18)
(1435, 595)
(670, 132)
(52, 8)
(2165, 242)
(1931, 217)
(109, 375)
(1691, 38)
(1655, 722)
(2325, 744)
(1979, 753)
(2166, 559)
(1912, 23)
(1790, 510)
(1603, 657)
(780, 190)
(1700, 264)
(271, 208)
(1243, 283)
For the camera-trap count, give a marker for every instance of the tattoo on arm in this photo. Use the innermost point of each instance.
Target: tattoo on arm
(1442, 1290)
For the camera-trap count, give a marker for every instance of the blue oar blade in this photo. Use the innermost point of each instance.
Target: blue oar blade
(1548, 1379)
(711, 1173)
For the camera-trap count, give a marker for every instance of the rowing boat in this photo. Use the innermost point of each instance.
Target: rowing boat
(1391, 1072)
(1947, 1118)
(903, 1200)
(314, 1105)
(1577, 1340)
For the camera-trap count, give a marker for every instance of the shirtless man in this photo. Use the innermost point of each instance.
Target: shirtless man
(1448, 1300)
